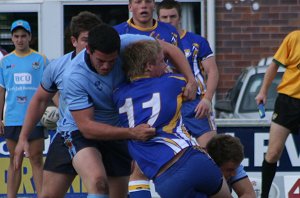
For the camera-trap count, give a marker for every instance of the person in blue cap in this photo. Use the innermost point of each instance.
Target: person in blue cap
(20, 75)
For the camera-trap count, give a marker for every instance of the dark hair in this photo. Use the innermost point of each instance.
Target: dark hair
(104, 38)
(169, 4)
(224, 148)
(82, 22)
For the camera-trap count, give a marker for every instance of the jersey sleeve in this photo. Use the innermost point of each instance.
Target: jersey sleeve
(240, 174)
(1, 74)
(74, 93)
(48, 82)
(288, 50)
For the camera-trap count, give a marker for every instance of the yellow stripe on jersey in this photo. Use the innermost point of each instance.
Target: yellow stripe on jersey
(172, 124)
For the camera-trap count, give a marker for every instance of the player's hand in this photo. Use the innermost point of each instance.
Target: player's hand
(203, 108)
(190, 90)
(21, 148)
(1, 128)
(142, 132)
(261, 98)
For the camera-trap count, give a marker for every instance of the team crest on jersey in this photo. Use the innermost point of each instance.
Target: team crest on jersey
(98, 85)
(35, 65)
(187, 53)
(21, 99)
(174, 39)
(195, 49)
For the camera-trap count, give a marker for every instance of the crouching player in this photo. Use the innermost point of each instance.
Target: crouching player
(228, 153)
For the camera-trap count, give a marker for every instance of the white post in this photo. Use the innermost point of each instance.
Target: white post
(52, 29)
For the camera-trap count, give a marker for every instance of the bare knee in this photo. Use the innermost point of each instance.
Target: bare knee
(97, 184)
(36, 159)
(273, 156)
(102, 185)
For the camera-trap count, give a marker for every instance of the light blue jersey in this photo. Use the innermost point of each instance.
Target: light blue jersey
(52, 82)
(20, 76)
(84, 87)
(240, 174)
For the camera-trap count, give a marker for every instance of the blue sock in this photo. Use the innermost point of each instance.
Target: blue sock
(97, 196)
(139, 189)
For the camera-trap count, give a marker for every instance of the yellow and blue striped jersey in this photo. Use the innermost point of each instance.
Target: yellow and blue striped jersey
(156, 101)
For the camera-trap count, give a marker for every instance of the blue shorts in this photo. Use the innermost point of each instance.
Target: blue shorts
(195, 174)
(196, 127)
(13, 133)
(115, 155)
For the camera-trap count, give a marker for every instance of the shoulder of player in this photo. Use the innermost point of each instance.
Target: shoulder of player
(121, 87)
(7, 56)
(294, 33)
(121, 27)
(39, 55)
(60, 63)
(293, 36)
(32, 51)
(174, 76)
(195, 37)
(166, 26)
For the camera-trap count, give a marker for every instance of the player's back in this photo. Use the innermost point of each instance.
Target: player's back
(157, 102)
(152, 99)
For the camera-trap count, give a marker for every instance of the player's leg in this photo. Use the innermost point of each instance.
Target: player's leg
(89, 166)
(277, 137)
(285, 119)
(14, 176)
(139, 184)
(117, 162)
(58, 171)
(201, 129)
(205, 137)
(56, 185)
(36, 147)
(118, 187)
(224, 191)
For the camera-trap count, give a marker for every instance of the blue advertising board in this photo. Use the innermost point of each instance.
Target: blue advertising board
(254, 136)
(27, 188)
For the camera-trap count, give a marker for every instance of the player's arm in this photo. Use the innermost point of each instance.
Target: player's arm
(2, 98)
(36, 108)
(92, 129)
(55, 99)
(176, 56)
(243, 188)
(268, 78)
(211, 69)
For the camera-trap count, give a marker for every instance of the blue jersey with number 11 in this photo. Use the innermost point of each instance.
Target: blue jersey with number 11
(151, 101)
